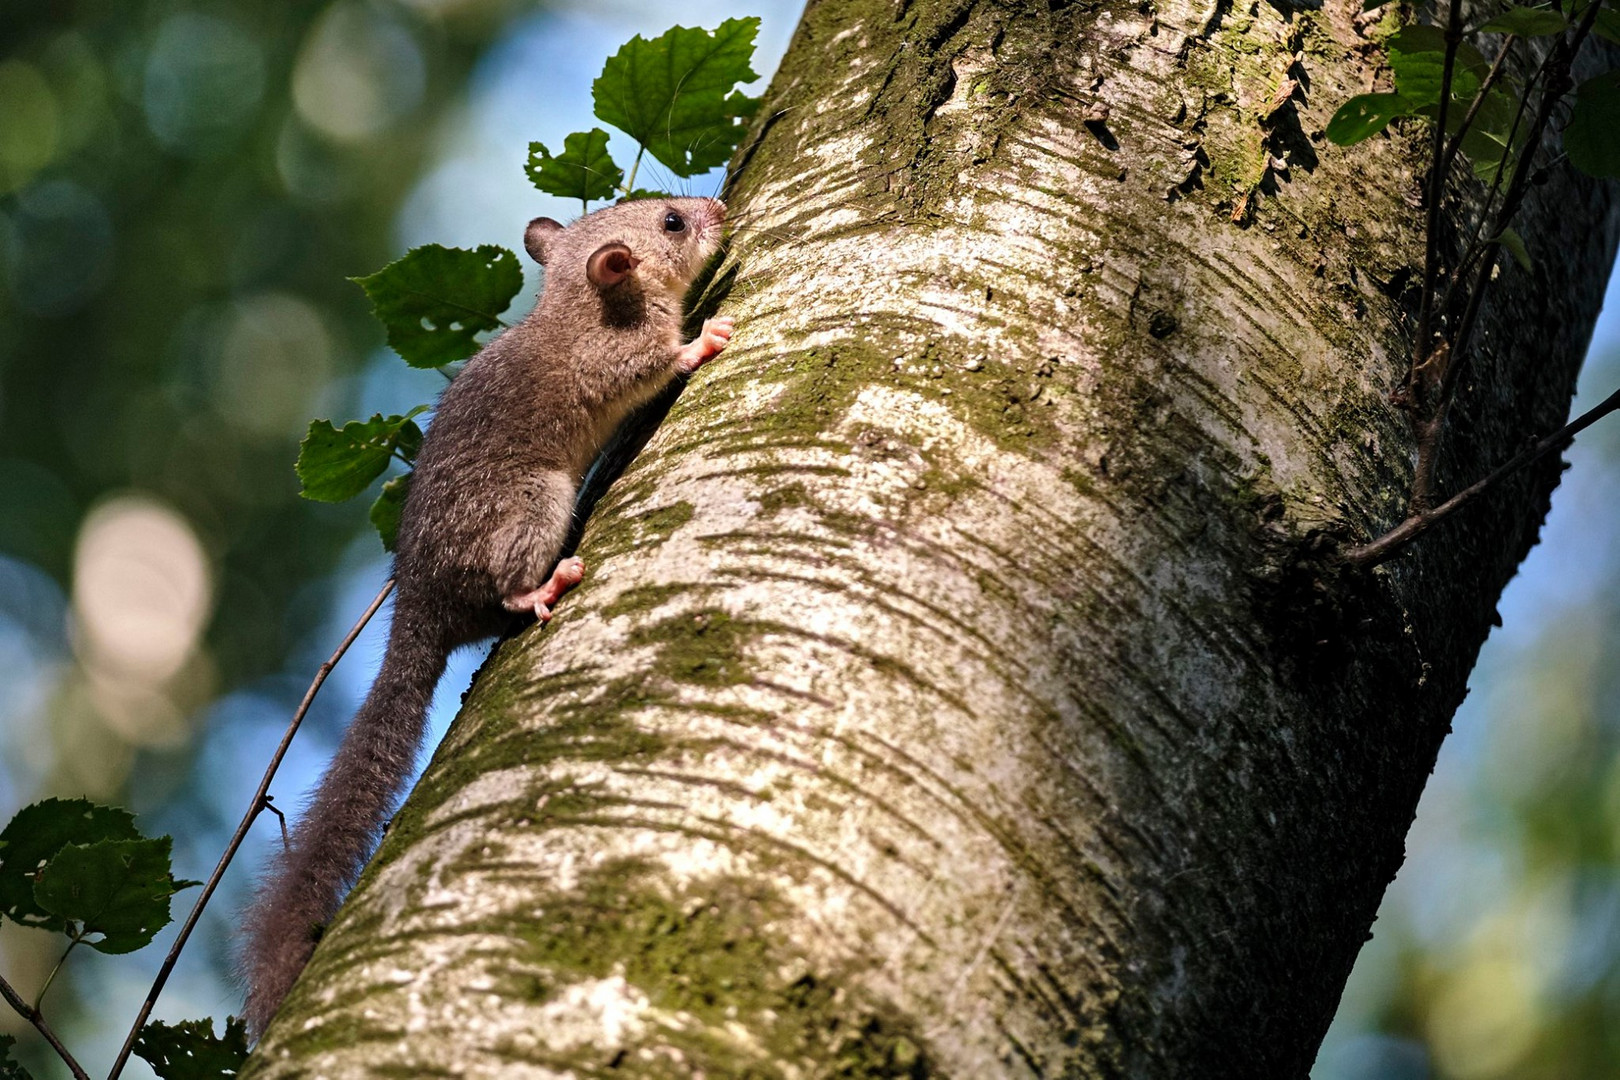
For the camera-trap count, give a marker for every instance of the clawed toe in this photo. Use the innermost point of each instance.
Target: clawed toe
(569, 572)
(531, 601)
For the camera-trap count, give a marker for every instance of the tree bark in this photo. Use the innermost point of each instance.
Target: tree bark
(958, 688)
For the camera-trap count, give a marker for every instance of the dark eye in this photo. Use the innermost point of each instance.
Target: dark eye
(673, 222)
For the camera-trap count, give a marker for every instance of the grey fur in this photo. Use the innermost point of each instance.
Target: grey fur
(489, 510)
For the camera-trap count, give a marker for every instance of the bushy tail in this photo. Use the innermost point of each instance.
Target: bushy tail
(335, 836)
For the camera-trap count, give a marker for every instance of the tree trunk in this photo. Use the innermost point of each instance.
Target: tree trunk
(956, 689)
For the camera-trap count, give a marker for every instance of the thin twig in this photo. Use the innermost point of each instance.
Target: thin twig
(1489, 252)
(260, 801)
(1437, 184)
(281, 819)
(1485, 88)
(1390, 544)
(1432, 426)
(32, 1015)
(1466, 263)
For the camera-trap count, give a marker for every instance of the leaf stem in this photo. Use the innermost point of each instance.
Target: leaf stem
(32, 1015)
(635, 167)
(260, 800)
(39, 998)
(1419, 522)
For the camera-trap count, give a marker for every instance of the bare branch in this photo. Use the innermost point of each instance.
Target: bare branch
(32, 1015)
(1391, 543)
(261, 800)
(1437, 183)
(1455, 145)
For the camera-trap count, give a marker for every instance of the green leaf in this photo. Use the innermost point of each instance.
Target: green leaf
(189, 1050)
(409, 443)
(35, 836)
(10, 1069)
(436, 300)
(1417, 56)
(336, 464)
(583, 171)
(1515, 246)
(119, 889)
(1488, 155)
(1527, 22)
(1365, 115)
(1592, 139)
(1607, 24)
(1486, 140)
(385, 511)
(674, 94)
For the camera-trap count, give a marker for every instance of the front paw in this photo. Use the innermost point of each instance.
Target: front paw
(713, 338)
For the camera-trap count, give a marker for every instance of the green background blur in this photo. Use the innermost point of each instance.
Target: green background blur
(184, 188)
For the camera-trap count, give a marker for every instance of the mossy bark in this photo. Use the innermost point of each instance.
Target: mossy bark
(956, 690)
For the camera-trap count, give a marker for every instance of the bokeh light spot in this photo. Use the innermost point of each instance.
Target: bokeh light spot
(28, 124)
(56, 248)
(204, 78)
(359, 71)
(274, 355)
(1484, 1020)
(79, 84)
(142, 590)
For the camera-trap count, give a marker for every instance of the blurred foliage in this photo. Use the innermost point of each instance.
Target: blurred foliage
(183, 189)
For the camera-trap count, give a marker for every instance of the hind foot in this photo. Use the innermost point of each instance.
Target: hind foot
(569, 572)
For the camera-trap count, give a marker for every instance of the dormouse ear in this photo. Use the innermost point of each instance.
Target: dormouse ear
(609, 265)
(535, 236)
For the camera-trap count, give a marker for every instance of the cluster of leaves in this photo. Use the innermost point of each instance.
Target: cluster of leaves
(676, 96)
(190, 1050)
(9, 1068)
(1495, 136)
(85, 871)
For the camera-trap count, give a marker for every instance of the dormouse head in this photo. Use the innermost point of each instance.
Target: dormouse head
(659, 243)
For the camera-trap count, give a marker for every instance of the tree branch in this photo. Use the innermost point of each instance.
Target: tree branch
(1477, 234)
(260, 801)
(1437, 184)
(1391, 543)
(1432, 427)
(32, 1015)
